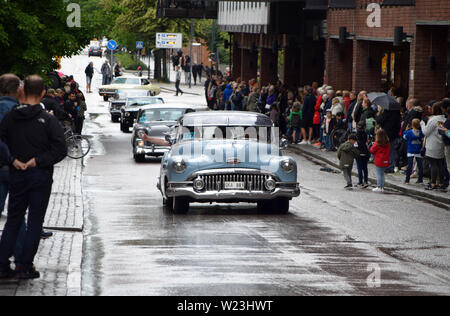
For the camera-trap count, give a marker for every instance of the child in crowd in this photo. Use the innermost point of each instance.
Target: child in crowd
(381, 151)
(414, 137)
(294, 121)
(364, 155)
(347, 153)
(328, 126)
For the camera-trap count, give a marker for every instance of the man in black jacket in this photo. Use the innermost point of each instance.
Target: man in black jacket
(36, 141)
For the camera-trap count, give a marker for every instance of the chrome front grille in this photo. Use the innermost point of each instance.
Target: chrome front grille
(252, 182)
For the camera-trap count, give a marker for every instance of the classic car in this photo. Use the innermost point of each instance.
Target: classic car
(130, 110)
(128, 82)
(227, 157)
(155, 121)
(95, 51)
(120, 100)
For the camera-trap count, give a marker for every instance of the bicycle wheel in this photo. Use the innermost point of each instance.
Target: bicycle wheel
(338, 138)
(78, 146)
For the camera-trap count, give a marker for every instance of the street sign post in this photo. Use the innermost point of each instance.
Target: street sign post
(112, 46)
(169, 40)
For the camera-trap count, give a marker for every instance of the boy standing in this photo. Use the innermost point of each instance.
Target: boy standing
(347, 154)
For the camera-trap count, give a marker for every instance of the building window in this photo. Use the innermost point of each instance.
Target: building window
(343, 4)
(398, 3)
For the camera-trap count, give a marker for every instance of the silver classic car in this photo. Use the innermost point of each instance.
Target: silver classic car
(227, 157)
(155, 121)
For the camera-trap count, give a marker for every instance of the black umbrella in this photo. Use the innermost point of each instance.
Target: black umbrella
(385, 101)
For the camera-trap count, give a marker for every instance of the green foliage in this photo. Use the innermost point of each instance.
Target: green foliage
(129, 62)
(32, 33)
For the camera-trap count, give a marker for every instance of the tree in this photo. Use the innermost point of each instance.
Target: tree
(32, 33)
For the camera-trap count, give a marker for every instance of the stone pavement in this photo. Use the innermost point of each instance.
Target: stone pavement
(59, 258)
(393, 181)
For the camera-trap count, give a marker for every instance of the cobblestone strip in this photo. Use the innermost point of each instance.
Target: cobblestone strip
(65, 209)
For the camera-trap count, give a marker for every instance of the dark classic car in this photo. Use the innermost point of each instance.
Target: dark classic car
(95, 51)
(155, 121)
(227, 157)
(129, 112)
(120, 100)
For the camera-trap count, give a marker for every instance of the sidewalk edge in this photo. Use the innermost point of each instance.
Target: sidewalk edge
(417, 193)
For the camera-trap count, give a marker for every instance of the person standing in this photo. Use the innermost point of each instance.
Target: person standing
(118, 70)
(414, 139)
(195, 73)
(178, 81)
(106, 73)
(89, 71)
(435, 147)
(364, 155)
(381, 151)
(36, 141)
(308, 116)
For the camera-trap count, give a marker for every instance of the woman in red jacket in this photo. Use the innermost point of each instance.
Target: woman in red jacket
(317, 119)
(381, 151)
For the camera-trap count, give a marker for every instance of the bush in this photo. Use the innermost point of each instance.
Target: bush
(128, 62)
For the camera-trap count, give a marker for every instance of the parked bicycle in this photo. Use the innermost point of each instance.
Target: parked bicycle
(78, 146)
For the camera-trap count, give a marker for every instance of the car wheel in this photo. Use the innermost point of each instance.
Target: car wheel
(281, 206)
(105, 98)
(124, 129)
(139, 158)
(264, 207)
(180, 205)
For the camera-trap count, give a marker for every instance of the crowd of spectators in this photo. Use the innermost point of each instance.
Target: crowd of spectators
(309, 115)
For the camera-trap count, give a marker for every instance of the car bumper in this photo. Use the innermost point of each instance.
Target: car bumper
(152, 150)
(185, 189)
(107, 94)
(115, 112)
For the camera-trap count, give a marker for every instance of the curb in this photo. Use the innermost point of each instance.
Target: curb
(173, 90)
(442, 201)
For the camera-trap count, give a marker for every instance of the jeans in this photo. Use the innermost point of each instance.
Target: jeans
(363, 170)
(380, 177)
(410, 168)
(4, 189)
(328, 145)
(30, 190)
(348, 175)
(177, 86)
(394, 153)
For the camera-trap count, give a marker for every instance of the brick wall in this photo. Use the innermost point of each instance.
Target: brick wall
(434, 10)
(339, 64)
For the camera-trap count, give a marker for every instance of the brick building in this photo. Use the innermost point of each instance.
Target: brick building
(267, 32)
(365, 36)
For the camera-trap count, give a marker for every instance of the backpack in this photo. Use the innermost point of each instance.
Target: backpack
(370, 124)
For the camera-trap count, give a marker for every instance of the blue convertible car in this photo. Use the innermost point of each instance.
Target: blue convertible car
(227, 157)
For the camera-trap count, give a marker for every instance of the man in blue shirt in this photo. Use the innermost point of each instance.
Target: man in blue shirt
(10, 91)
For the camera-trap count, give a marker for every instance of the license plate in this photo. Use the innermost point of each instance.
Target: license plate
(234, 185)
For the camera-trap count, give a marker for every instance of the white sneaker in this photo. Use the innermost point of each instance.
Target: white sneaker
(396, 169)
(378, 190)
(304, 142)
(308, 143)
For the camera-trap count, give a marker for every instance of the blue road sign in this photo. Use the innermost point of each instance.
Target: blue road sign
(112, 45)
(139, 45)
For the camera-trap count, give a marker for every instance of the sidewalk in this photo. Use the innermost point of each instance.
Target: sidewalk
(59, 257)
(393, 181)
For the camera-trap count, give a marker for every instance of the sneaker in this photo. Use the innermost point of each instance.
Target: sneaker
(8, 273)
(406, 182)
(46, 235)
(366, 185)
(431, 188)
(29, 274)
(396, 170)
(349, 187)
(317, 144)
(304, 142)
(378, 190)
(419, 182)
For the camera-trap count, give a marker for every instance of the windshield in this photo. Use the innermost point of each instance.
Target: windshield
(253, 133)
(130, 81)
(144, 101)
(161, 115)
(123, 94)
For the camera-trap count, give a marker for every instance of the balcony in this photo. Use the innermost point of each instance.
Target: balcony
(195, 9)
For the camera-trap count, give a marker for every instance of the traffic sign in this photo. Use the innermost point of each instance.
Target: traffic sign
(112, 45)
(169, 40)
(139, 45)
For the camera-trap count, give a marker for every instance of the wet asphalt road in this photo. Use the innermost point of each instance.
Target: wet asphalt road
(332, 242)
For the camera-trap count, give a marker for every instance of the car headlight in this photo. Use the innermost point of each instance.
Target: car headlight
(270, 184)
(199, 184)
(127, 114)
(141, 143)
(287, 165)
(179, 166)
